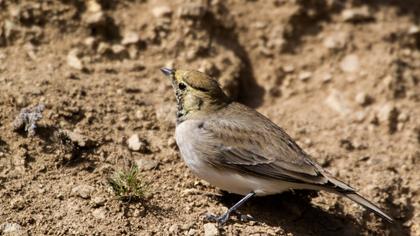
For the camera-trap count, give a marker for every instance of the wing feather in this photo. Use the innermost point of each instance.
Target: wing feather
(258, 147)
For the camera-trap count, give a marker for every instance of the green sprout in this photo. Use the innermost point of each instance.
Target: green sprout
(127, 185)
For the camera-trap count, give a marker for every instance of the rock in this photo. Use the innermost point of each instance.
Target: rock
(94, 18)
(194, 10)
(118, 49)
(357, 14)
(73, 60)
(210, 229)
(326, 78)
(192, 232)
(99, 213)
(384, 112)
(18, 203)
(90, 42)
(350, 63)
(30, 50)
(336, 41)
(130, 37)
(337, 102)
(413, 30)
(403, 117)
(135, 144)
(93, 6)
(98, 201)
(10, 228)
(171, 142)
(133, 52)
(76, 138)
(388, 114)
(10, 29)
(103, 48)
(162, 11)
(174, 229)
(84, 191)
(305, 75)
(359, 116)
(146, 164)
(362, 99)
(288, 68)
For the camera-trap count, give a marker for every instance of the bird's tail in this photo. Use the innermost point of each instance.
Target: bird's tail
(368, 205)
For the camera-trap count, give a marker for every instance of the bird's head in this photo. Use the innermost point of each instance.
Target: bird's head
(196, 93)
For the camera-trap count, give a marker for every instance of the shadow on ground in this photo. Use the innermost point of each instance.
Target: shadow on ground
(294, 213)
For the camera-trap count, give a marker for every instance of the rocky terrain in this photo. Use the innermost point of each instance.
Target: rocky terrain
(81, 97)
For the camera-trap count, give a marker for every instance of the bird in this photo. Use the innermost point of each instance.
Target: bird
(239, 150)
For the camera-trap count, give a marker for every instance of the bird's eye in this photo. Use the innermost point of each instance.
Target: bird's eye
(182, 86)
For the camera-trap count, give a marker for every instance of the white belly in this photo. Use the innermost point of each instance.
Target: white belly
(231, 181)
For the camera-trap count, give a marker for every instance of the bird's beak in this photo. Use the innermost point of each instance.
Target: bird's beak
(166, 71)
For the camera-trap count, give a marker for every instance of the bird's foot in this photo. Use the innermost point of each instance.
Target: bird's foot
(245, 218)
(220, 220)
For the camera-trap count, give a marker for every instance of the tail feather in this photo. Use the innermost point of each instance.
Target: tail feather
(368, 205)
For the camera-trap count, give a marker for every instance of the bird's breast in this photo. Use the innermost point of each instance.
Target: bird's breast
(187, 138)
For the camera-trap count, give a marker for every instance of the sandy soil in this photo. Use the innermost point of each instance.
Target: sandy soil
(342, 77)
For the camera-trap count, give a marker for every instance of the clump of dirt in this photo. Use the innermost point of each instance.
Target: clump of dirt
(341, 77)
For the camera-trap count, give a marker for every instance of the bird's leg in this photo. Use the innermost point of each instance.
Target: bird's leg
(221, 220)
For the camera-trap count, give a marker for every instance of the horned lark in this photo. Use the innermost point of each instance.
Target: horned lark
(237, 149)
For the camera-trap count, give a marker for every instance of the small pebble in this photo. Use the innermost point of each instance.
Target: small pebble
(73, 60)
(288, 68)
(99, 213)
(84, 191)
(350, 63)
(146, 164)
(210, 229)
(362, 99)
(305, 75)
(130, 37)
(135, 144)
(162, 11)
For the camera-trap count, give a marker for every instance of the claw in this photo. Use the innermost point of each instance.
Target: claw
(246, 218)
(220, 220)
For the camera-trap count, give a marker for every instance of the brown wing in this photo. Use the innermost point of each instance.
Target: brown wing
(252, 144)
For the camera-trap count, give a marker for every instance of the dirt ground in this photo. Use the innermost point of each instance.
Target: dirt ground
(341, 77)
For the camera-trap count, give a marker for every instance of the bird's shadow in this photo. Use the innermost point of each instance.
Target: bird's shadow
(295, 214)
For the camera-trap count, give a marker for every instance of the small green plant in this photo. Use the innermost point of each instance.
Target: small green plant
(127, 185)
